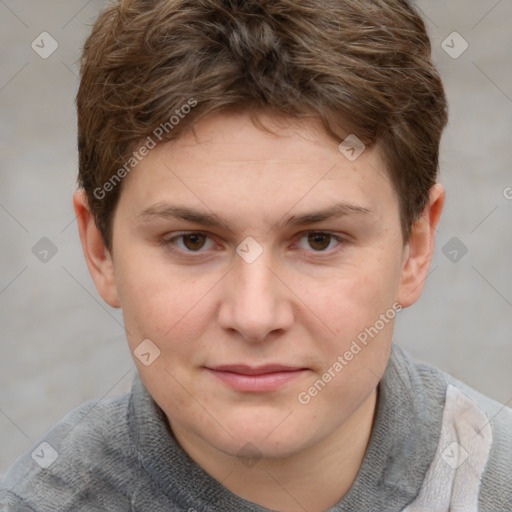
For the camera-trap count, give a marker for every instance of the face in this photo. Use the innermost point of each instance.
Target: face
(256, 264)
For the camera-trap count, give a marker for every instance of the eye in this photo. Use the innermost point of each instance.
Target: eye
(199, 242)
(320, 241)
(190, 242)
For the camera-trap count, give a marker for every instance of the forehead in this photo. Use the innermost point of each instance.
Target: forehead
(226, 163)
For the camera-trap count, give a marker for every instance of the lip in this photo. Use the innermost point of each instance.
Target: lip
(244, 369)
(256, 379)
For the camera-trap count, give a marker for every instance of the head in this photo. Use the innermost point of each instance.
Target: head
(226, 208)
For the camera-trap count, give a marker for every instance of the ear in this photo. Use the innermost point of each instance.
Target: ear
(99, 261)
(419, 251)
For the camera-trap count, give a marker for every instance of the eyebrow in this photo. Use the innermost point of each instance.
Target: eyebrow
(177, 212)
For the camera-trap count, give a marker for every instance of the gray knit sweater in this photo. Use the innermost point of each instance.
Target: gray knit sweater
(436, 446)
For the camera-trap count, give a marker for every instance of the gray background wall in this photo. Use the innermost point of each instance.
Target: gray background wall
(61, 345)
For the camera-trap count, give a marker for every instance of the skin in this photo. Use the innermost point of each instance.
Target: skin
(300, 303)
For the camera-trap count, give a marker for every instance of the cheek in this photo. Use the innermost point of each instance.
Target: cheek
(359, 307)
(356, 298)
(159, 303)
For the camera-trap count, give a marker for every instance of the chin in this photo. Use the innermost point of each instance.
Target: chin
(270, 439)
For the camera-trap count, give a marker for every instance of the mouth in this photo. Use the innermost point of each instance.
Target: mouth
(256, 379)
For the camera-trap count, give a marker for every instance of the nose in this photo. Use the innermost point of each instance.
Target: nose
(255, 302)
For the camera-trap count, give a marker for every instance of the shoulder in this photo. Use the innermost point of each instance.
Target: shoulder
(496, 481)
(500, 415)
(82, 452)
(473, 461)
(427, 375)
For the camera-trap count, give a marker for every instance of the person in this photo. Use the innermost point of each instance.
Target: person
(258, 192)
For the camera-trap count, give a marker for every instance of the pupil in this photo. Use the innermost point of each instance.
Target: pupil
(197, 241)
(316, 238)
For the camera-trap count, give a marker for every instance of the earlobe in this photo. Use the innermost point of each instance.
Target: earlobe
(420, 249)
(98, 258)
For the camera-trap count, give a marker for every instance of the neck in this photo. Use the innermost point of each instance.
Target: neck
(314, 479)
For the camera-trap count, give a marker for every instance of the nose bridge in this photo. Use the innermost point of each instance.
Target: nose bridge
(256, 281)
(255, 302)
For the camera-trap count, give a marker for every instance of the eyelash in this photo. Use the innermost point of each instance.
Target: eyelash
(168, 243)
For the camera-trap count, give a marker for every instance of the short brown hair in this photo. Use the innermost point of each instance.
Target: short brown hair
(361, 67)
